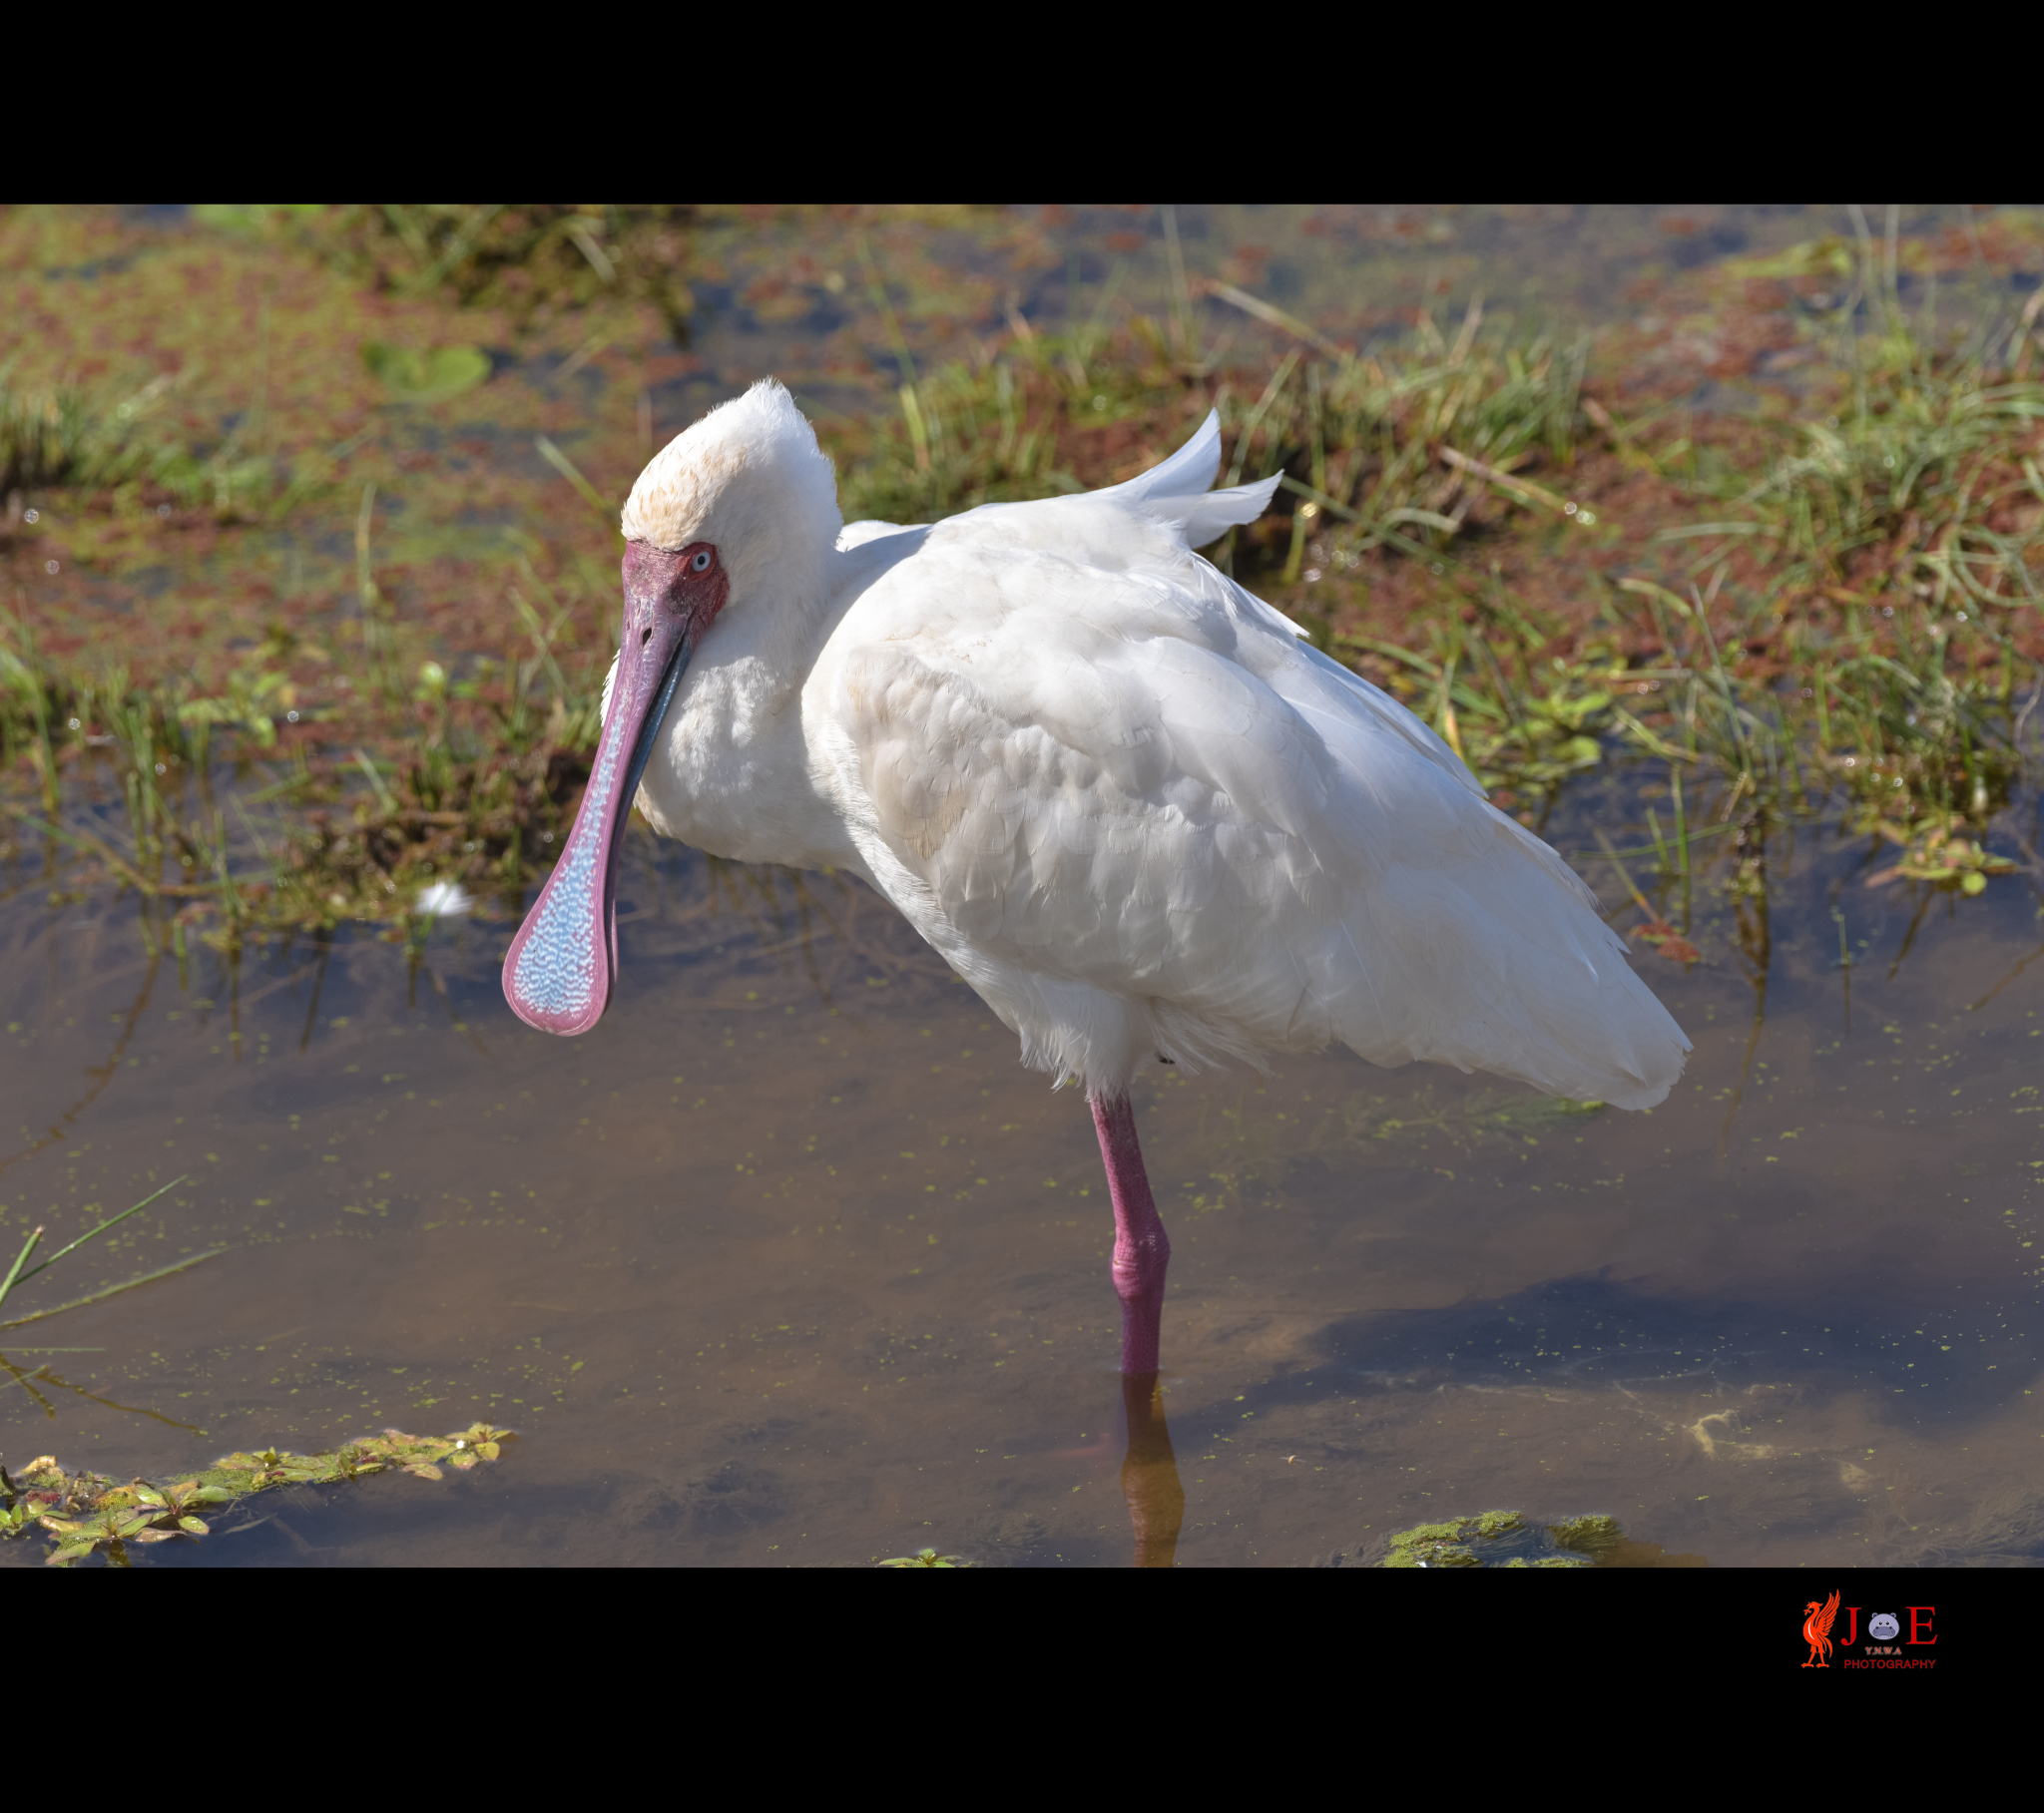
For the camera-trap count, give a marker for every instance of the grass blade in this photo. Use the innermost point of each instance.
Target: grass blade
(20, 1259)
(1271, 316)
(113, 1290)
(566, 467)
(96, 1232)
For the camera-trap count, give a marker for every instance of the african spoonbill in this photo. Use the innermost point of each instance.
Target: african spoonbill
(1120, 795)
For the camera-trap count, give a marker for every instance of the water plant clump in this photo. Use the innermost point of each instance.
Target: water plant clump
(923, 1558)
(1591, 1535)
(1492, 1539)
(86, 1513)
(1507, 1539)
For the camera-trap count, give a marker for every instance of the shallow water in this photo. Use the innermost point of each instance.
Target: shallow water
(791, 1261)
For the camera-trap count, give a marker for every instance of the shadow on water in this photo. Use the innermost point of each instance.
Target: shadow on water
(1594, 1331)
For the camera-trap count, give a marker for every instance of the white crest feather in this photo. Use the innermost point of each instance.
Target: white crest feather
(749, 479)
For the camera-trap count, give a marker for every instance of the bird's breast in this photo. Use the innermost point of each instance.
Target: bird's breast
(733, 778)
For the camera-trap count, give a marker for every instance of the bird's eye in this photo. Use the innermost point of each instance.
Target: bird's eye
(700, 563)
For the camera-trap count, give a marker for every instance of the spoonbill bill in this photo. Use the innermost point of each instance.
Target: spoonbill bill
(1120, 795)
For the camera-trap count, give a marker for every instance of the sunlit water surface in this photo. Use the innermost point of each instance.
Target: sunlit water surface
(791, 1261)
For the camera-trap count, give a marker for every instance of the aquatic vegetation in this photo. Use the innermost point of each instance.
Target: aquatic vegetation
(84, 1513)
(109, 437)
(66, 435)
(1507, 1539)
(1494, 1539)
(923, 1558)
(1475, 1119)
(472, 782)
(433, 376)
(1593, 1536)
(1932, 852)
(21, 1271)
(32, 1379)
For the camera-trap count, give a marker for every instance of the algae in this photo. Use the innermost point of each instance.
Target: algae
(87, 1513)
(1595, 1537)
(1491, 1539)
(1494, 1539)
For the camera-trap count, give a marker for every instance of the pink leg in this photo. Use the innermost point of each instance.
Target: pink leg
(1141, 1250)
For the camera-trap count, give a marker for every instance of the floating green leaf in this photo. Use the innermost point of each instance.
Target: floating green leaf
(413, 376)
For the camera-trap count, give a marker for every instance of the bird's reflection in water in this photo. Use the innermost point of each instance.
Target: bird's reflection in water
(1150, 1482)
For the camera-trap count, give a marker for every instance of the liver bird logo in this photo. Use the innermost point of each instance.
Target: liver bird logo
(1817, 1630)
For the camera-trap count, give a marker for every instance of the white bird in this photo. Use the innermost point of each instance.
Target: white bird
(1118, 793)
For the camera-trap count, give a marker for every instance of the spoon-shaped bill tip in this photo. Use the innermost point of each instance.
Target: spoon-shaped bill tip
(561, 966)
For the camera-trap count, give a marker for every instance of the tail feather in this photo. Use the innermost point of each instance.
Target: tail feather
(1179, 490)
(1192, 469)
(1428, 968)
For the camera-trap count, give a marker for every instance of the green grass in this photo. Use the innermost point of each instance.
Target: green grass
(432, 779)
(114, 438)
(21, 1271)
(1822, 606)
(538, 260)
(1880, 548)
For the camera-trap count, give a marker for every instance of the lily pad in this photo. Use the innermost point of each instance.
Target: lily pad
(413, 376)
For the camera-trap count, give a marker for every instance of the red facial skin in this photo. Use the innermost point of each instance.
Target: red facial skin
(562, 964)
(663, 588)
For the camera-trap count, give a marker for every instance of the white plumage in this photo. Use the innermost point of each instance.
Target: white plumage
(1119, 793)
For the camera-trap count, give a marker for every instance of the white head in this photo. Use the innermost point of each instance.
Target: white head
(750, 480)
(739, 512)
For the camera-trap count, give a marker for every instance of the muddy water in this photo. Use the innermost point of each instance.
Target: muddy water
(790, 1261)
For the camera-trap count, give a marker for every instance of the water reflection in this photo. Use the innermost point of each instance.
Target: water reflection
(31, 1380)
(97, 1077)
(1754, 945)
(1149, 1484)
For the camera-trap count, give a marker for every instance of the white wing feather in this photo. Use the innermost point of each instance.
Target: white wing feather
(1143, 819)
